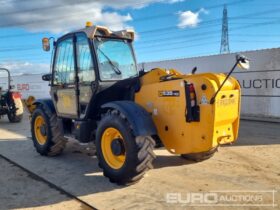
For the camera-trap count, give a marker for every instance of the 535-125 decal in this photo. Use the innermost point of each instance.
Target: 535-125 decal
(169, 93)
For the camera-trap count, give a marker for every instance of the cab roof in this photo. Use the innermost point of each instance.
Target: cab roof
(95, 30)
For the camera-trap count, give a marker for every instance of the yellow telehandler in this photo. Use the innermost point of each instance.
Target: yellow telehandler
(97, 94)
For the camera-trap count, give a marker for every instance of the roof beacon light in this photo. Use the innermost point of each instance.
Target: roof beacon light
(89, 24)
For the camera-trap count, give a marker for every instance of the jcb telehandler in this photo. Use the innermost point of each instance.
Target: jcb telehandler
(98, 95)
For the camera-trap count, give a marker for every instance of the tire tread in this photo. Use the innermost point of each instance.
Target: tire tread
(58, 141)
(144, 149)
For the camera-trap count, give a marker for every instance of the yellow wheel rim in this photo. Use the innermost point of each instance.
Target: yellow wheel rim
(38, 125)
(114, 161)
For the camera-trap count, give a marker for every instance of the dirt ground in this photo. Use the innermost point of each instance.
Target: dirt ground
(18, 188)
(251, 166)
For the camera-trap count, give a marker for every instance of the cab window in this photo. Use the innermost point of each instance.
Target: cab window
(64, 70)
(116, 59)
(84, 60)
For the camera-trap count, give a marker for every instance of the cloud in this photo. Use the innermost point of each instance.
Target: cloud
(175, 1)
(189, 18)
(64, 15)
(137, 5)
(22, 67)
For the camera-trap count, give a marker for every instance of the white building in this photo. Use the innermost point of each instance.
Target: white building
(28, 84)
(260, 85)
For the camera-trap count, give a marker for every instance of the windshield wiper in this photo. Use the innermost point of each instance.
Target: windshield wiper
(115, 68)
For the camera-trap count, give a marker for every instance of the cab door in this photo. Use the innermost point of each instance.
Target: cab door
(64, 88)
(86, 72)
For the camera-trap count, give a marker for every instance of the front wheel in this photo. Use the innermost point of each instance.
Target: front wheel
(46, 134)
(123, 157)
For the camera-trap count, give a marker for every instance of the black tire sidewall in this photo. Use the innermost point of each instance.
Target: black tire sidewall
(199, 157)
(131, 160)
(13, 118)
(45, 148)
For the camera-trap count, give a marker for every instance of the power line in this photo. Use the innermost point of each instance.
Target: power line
(217, 19)
(196, 9)
(139, 19)
(179, 43)
(200, 34)
(162, 49)
(263, 23)
(255, 25)
(19, 35)
(205, 35)
(161, 29)
(258, 35)
(41, 8)
(35, 34)
(79, 2)
(208, 53)
(256, 41)
(182, 47)
(155, 44)
(130, 5)
(40, 21)
(236, 28)
(17, 47)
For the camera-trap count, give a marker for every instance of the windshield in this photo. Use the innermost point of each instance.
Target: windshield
(116, 60)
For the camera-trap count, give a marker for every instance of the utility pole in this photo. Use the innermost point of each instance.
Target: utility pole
(224, 40)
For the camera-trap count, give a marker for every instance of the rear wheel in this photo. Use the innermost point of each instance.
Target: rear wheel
(46, 134)
(16, 115)
(123, 157)
(14, 118)
(198, 157)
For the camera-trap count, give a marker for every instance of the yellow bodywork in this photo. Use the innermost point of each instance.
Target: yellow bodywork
(218, 124)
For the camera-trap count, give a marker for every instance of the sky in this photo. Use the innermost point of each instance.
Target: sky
(165, 29)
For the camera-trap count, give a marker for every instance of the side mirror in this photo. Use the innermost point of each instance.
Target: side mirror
(243, 62)
(47, 77)
(46, 44)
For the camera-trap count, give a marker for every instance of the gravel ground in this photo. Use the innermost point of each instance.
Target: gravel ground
(20, 190)
(250, 166)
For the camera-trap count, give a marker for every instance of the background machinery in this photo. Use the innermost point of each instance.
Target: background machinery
(98, 95)
(10, 101)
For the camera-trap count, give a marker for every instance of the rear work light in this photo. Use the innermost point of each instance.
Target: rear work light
(192, 109)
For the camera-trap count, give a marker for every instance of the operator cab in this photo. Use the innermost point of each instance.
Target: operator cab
(88, 62)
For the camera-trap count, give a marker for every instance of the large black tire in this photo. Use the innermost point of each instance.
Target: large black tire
(198, 157)
(55, 141)
(16, 115)
(138, 151)
(14, 118)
